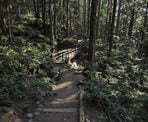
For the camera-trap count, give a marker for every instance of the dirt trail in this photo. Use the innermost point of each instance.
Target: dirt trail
(65, 105)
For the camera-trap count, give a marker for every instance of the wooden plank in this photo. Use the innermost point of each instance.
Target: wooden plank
(81, 107)
(63, 101)
(59, 110)
(62, 51)
(65, 51)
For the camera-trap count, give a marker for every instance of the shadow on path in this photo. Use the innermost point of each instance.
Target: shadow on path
(64, 107)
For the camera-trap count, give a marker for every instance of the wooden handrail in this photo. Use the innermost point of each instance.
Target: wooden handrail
(65, 53)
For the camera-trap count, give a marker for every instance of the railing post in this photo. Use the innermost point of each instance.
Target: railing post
(62, 58)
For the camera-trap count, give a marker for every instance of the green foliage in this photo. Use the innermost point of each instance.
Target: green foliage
(105, 98)
(119, 86)
(28, 50)
(16, 89)
(23, 60)
(20, 63)
(118, 102)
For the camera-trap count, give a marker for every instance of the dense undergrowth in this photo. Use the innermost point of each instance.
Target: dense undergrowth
(26, 69)
(119, 85)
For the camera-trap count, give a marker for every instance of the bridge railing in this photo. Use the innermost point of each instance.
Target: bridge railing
(64, 56)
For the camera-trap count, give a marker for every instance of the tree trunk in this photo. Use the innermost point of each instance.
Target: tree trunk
(63, 12)
(88, 17)
(44, 16)
(2, 27)
(38, 9)
(112, 28)
(9, 24)
(52, 21)
(130, 30)
(55, 18)
(108, 19)
(67, 17)
(92, 35)
(144, 41)
(35, 8)
(70, 21)
(84, 17)
(118, 18)
(78, 9)
(98, 18)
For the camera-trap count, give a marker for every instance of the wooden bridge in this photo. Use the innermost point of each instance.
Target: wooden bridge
(65, 56)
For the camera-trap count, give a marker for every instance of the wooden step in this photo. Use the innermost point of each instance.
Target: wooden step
(63, 101)
(60, 110)
(59, 117)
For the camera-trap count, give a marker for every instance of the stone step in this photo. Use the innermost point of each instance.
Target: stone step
(60, 110)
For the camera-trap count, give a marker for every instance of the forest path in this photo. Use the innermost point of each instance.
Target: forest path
(64, 107)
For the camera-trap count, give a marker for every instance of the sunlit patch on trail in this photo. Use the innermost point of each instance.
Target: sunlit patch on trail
(62, 85)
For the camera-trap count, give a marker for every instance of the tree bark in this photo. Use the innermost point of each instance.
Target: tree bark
(35, 8)
(144, 41)
(38, 9)
(84, 17)
(98, 18)
(44, 16)
(108, 19)
(118, 18)
(92, 35)
(88, 17)
(64, 11)
(112, 28)
(52, 21)
(9, 24)
(67, 17)
(130, 30)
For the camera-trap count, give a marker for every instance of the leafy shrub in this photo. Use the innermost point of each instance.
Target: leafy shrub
(20, 61)
(105, 98)
(20, 89)
(120, 84)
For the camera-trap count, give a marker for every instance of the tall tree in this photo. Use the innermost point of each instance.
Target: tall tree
(9, 23)
(84, 16)
(143, 48)
(130, 30)
(108, 19)
(88, 16)
(63, 11)
(36, 5)
(67, 17)
(92, 35)
(118, 17)
(44, 16)
(110, 39)
(98, 18)
(35, 8)
(52, 19)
